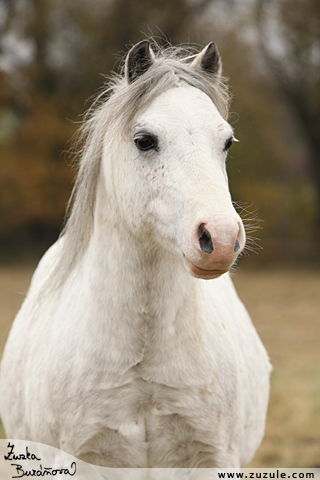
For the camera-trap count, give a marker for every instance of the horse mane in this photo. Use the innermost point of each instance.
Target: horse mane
(113, 111)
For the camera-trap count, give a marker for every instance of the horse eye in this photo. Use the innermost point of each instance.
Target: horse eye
(146, 142)
(228, 144)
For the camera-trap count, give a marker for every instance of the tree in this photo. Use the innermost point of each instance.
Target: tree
(53, 53)
(290, 42)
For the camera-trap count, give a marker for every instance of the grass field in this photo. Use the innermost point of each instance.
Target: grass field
(285, 307)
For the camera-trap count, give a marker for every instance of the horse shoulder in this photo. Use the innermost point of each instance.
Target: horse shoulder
(17, 361)
(253, 366)
(30, 314)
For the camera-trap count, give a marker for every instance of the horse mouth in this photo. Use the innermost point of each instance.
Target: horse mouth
(202, 272)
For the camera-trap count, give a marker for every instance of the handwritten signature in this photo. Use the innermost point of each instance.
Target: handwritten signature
(35, 472)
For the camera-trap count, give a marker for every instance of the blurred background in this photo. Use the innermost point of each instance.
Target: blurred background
(54, 55)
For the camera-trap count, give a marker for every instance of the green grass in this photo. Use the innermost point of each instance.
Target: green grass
(285, 307)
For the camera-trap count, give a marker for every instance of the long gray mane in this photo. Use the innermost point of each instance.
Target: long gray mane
(114, 110)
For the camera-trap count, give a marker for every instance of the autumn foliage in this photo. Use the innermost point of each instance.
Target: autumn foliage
(51, 60)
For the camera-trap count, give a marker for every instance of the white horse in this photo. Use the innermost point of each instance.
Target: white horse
(123, 353)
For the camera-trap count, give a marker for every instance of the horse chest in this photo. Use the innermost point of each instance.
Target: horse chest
(179, 398)
(145, 423)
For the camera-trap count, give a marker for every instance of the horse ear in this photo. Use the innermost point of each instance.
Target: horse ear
(209, 60)
(139, 60)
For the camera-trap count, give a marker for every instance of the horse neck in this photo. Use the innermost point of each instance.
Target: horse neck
(143, 278)
(131, 300)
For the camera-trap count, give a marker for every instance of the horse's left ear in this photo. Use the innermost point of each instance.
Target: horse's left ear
(209, 60)
(139, 60)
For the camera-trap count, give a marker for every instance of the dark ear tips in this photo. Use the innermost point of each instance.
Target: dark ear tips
(139, 60)
(209, 60)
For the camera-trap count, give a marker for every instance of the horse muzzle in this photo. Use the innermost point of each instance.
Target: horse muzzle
(213, 246)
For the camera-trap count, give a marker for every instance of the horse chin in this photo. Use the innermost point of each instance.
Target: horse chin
(205, 274)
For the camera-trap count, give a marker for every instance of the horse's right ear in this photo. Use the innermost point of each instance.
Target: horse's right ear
(139, 60)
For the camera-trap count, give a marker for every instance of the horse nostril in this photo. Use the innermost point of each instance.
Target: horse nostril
(236, 246)
(205, 240)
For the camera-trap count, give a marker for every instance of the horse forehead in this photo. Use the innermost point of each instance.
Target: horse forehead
(186, 105)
